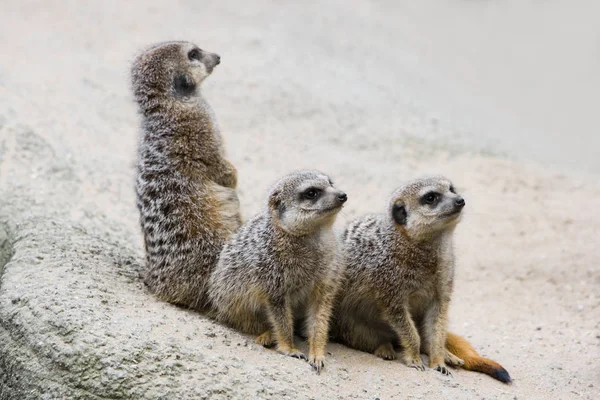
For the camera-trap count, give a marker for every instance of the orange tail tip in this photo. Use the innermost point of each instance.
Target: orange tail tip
(473, 361)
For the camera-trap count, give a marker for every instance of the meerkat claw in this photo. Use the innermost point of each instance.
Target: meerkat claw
(299, 355)
(302, 356)
(317, 364)
(386, 352)
(417, 364)
(443, 369)
(265, 340)
(294, 353)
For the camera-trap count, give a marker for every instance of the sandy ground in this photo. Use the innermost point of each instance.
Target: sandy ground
(372, 93)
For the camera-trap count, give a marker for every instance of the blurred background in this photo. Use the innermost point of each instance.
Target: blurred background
(516, 78)
(503, 97)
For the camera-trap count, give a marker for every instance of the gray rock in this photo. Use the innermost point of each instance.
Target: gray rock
(370, 92)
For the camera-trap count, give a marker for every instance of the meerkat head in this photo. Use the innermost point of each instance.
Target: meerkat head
(302, 202)
(425, 207)
(173, 70)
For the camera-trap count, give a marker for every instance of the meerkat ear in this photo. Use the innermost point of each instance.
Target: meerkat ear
(184, 84)
(399, 213)
(276, 204)
(274, 200)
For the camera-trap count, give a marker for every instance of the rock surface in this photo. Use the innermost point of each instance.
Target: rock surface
(76, 320)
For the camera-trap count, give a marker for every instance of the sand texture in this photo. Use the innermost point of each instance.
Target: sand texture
(366, 92)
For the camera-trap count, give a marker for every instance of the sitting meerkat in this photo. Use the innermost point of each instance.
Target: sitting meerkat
(399, 271)
(186, 188)
(281, 266)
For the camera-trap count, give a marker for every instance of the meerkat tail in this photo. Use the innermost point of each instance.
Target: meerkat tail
(473, 361)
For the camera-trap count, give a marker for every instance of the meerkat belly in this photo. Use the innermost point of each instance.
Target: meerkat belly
(224, 206)
(300, 286)
(300, 300)
(306, 265)
(420, 300)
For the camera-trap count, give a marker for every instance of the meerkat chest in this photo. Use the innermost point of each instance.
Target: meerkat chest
(305, 271)
(307, 263)
(435, 281)
(421, 282)
(421, 298)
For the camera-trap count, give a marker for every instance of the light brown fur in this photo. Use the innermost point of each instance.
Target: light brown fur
(472, 361)
(282, 267)
(399, 278)
(185, 186)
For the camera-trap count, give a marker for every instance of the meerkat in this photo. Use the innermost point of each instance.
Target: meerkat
(282, 266)
(186, 188)
(399, 272)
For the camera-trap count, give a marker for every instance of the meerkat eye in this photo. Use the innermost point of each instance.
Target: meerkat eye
(311, 193)
(194, 54)
(430, 198)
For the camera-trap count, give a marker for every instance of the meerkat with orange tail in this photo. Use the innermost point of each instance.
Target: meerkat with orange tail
(399, 270)
(185, 187)
(282, 266)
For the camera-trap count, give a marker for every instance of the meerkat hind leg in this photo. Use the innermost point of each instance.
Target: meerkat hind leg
(407, 333)
(453, 360)
(265, 339)
(385, 351)
(282, 322)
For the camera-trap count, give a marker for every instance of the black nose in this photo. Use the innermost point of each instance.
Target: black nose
(459, 201)
(217, 59)
(342, 197)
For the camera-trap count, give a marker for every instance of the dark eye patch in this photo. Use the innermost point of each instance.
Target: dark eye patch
(399, 214)
(184, 84)
(281, 210)
(195, 54)
(430, 198)
(311, 193)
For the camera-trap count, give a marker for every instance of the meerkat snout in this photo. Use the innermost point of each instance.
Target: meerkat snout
(333, 199)
(457, 204)
(307, 203)
(210, 60)
(427, 206)
(171, 71)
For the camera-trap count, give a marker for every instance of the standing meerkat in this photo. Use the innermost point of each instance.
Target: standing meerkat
(185, 187)
(281, 267)
(399, 269)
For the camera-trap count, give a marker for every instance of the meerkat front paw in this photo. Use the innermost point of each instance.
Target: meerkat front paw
(293, 353)
(443, 369)
(453, 360)
(229, 175)
(265, 339)
(386, 351)
(317, 362)
(415, 362)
